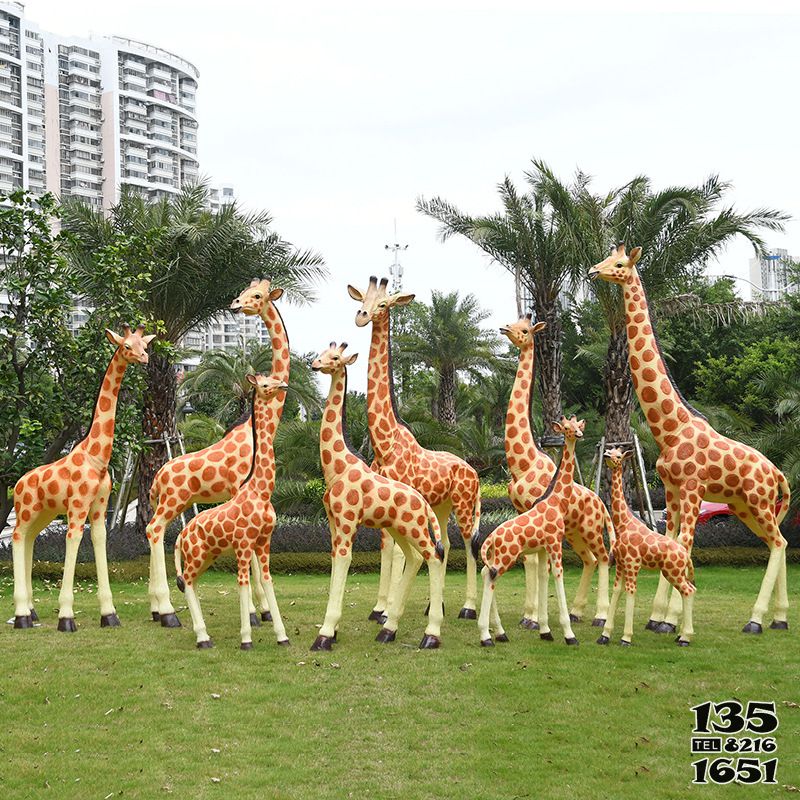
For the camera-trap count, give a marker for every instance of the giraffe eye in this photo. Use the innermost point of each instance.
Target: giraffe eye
(620, 264)
(127, 346)
(257, 296)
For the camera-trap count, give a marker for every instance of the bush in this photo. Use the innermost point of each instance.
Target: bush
(494, 491)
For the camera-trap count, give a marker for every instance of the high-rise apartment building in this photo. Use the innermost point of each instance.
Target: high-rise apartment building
(83, 117)
(771, 275)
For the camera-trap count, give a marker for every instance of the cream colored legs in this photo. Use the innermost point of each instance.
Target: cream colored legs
(471, 599)
(387, 554)
(272, 603)
(630, 603)
(435, 588)
(776, 563)
(258, 586)
(659, 612)
(198, 623)
(244, 616)
(486, 606)
(22, 606)
(687, 629)
(608, 630)
(781, 594)
(339, 570)
(563, 612)
(542, 585)
(602, 593)
(582, 595)
(160, 602)
(66, 615)
(108, 613)
(530, 614)
(397, 603)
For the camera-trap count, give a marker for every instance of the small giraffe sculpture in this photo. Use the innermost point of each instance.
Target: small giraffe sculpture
(697, 462)
(446, 482)
(77, 485)
(637, 546)
(531, 472)
(539, 528)
(244, 523)
(214, 474)
(356, 495)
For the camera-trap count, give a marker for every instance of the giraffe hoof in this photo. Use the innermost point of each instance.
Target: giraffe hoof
(377, 616)
(109, 621)
(624, 643)
(603, 640)
(547, 637)
(35, 616)
(266, 616)
(487, 642)
(385, 636)
(170, 621)
(67, 625)
(779, 625)
(598, 622)
(752, 627)
(652, 625)
(283, 642)
(430, 642)
(322, 643)
(681, 642)
(155, 616)
(206, 644)
(468, 613)
(571, 640)
(665, 627)
(529, 624)
(246, 646)
(575, 618)
(23, 622)
(501, 637)
(255, 620)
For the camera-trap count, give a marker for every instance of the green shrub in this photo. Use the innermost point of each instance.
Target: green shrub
(494, 491)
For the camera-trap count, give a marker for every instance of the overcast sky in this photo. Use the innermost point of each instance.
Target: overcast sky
(337, 116)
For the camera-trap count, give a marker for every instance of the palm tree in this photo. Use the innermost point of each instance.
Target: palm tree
(526, 239)
(220, 379)
(180, 264)
(448, 337)
(680, 230)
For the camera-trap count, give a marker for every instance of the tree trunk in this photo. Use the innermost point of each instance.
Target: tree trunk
(618, 389)
(548, 360)
(158, 418)
(6, 504)
(447, 397)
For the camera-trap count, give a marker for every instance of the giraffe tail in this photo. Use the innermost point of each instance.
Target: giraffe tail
(435, 532)
(612, 536)
(181, 583)
(786, 496)
(476, 514)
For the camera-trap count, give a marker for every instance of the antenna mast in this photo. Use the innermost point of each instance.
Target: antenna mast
(396, 269)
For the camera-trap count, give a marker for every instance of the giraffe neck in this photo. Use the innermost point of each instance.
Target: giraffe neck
(105, 410)
(280, 341)
(266, 415)
(383, 420)
(620, 512)
(566, 472)
(332, 438)
(663, 407)
(518, 417)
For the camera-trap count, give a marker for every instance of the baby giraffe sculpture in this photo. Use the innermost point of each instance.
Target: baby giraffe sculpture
(539, 529)
(77, 485)
(243, 524)
(356, 495)
(636, 547)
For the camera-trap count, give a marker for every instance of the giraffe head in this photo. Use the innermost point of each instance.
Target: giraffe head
(266, 386)
(618, 267)
(332, 359)
(255, 297)
(521, 332)
(376, 301)
(572, 428)
(132, 345)
(615, 457)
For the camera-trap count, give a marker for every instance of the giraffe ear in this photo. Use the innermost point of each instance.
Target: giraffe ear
(251, 379)
(627, 454)
(114, 338)
(149, 338)
(539, 326)
(356, 294)
(403, 299)
(276, 294)
(582, 424)
(634, 255)
(352, 359)
(558, 427)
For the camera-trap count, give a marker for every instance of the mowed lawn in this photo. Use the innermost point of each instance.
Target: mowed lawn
(138, 712)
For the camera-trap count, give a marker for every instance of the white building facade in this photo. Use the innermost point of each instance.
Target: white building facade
(771, 275)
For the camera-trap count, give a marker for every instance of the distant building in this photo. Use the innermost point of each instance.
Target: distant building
(221, 196)
(771, 275)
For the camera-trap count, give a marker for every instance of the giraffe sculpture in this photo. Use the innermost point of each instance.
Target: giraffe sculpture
(243, 524)
(637, 546)
(214, 474)
(531, 472)
(539, 528)
(77, 485)
(446, 482)
(697, 462)
(357, 495)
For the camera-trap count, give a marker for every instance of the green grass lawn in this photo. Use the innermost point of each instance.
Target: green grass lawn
(138, 712)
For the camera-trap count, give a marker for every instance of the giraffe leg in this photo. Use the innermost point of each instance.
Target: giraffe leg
(687, 624)
(442, 513)
(581, 596)
(269, 591)
(630, 603)
(530, 614)
(561, 597)
(497, 626)
(158, 587)
(433, 630)
(468, 516)
(659, 611)
(198, 623)
(413, 561)
(601, 610)
(469, 611)
(542, 585)
(781, 597)
(378, 613)
(29, 543)
(22, 604)
(339, 570)
(398, 567)
(486, 606)
(259, 590)
(608, 630)
(97, 514)
(777, 556)
(66, 616)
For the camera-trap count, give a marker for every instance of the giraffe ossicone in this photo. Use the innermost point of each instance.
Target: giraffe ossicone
(78, 486)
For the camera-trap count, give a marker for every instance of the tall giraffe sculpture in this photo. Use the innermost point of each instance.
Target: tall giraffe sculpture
(214, 474)
(446, 482)
(531, 472)
(697, 462)
(357, 495)
(243, 524)
(540, 528)
(636, 546)
(77, 485)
